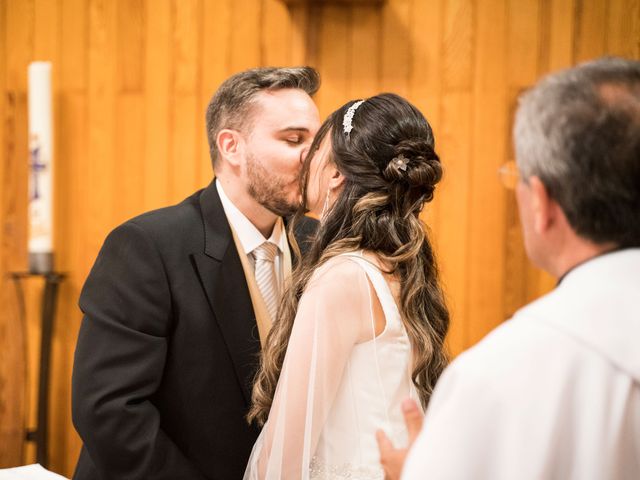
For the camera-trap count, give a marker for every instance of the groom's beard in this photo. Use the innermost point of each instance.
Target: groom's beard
(271, 190)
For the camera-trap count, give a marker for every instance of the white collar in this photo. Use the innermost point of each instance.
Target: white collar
(596, 303)
(249, 236)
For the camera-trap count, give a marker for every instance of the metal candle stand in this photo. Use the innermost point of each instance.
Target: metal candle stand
(39, 435)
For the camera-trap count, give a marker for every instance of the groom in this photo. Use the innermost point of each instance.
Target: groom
(180, 299)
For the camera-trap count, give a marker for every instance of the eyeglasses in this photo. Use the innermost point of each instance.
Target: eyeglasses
(509, 175)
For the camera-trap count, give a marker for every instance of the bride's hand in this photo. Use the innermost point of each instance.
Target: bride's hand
(391, 458)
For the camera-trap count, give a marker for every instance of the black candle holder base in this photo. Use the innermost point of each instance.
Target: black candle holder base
(39, 435)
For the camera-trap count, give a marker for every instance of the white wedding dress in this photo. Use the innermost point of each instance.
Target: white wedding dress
(339, 382)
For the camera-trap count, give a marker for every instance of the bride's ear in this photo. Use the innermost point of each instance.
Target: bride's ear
(336, 180)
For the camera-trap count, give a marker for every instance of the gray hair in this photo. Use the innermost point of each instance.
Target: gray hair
(579, 132)
(231, 105)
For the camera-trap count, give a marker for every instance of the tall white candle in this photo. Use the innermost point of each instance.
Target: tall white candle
(40, 169)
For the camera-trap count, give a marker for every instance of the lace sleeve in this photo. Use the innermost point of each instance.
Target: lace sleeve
(334, 314)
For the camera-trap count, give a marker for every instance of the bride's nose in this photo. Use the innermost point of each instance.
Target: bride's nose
(303, 153)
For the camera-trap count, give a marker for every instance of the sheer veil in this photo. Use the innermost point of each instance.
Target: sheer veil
(317, 417)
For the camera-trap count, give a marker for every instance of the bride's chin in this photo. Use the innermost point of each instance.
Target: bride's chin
(313, 211)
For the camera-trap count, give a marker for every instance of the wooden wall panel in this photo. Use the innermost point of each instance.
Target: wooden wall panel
(183, 170)
(623, 23)
(74, 259)
(74, 255)
(276, 33)
(46, 42)
(523, 65)
(302, 35)
(129, 109)
(132, 79)
(395, 52)
(590, 39)
(426, 30)
(364, 57)
(157, 80)
(102, 158)
(333, 59)
(214, 68)
(130, 45)
(490, 137)
(561, 33)
(14, 332)
(425, 87)
(454, 137)
(73, 44)
(451, 237)
(245, 29)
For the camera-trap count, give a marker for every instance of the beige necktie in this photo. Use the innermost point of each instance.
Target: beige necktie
(266, 278)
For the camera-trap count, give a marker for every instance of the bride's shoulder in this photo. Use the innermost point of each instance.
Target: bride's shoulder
(340, 268)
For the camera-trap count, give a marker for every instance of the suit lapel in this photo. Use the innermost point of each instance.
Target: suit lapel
(225, 286)
(223, 281)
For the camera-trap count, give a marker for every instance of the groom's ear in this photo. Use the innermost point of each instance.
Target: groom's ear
(336, 180)
(230, 146)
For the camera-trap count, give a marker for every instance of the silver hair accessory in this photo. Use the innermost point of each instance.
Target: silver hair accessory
(401, 162)
(348, 117)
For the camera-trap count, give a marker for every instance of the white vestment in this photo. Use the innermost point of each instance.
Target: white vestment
(335, 389)
(553, 393)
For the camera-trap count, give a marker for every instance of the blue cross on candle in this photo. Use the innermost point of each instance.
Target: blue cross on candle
(36, 168)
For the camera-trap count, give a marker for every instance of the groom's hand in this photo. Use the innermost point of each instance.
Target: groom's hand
(391, 458)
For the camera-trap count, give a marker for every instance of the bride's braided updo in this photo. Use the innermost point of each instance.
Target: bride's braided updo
(384, 148)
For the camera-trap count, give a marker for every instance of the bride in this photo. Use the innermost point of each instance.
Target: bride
(362, 325)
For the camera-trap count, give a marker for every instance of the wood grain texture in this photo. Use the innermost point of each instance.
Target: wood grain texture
(157, 88)
(425, 80)
(132, 79)
(395, 52)
(214, 68)
(74, 259)
(623, 24)
(15, 336)
(275, 45)
(364, 53)
(130, 102)
(490, 138)
(183, 170)
(303, 35)
(451, 237)
(590, 35)
(333, 56)
(245, 28)
(457, 39)
(73, 45)
(13, 404)
(130, 45)
(561, 33)
(102, 156)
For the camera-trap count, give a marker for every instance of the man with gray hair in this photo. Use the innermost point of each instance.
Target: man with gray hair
(555, 391)
(180, 299)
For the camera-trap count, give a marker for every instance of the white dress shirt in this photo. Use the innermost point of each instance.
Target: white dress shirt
(251, 238)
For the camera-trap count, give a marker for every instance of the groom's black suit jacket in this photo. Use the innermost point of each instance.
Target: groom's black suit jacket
(167, 349)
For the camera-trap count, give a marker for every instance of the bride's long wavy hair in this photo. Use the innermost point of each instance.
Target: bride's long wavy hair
(377, 210)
